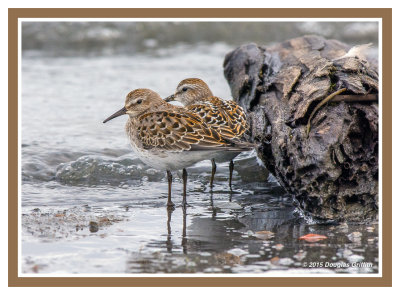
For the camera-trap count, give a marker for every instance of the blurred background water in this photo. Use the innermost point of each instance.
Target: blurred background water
(90, 206)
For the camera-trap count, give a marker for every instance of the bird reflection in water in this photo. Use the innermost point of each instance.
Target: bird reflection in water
(184, 239)
(168, 242)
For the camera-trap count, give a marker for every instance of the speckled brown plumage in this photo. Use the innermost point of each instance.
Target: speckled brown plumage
(225, 116)
(178, 130)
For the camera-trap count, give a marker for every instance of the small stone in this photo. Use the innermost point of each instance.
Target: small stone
(205, 254)
(343, 227)
(250, 233)
(93, 226)
(346, 253)
(35, 268)
(355, 258)
(275, 260)
(355, 237)
(252, 256)
(264, 235)
(355, 234)
(237, 252)
(300, 255)
(370, 229)
(286, 261)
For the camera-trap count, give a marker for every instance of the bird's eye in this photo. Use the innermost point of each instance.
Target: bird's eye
(184, 89)
(139, 101)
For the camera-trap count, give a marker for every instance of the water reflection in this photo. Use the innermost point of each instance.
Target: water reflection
(184, 239)
(169, 241)
(243, 235)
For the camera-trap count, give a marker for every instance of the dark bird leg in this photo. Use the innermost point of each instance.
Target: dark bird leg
(214, 168)
(184, 178)
(230, 173)
(170, 205)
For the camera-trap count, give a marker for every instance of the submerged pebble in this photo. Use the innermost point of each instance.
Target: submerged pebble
(238, 252)
(355, 258)
(93, 227)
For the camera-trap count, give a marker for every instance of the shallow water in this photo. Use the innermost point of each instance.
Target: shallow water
(90, 206)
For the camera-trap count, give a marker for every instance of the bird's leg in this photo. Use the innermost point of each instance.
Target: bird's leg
(184, 178)
(230, 173)
(214, 168)
(169, 203)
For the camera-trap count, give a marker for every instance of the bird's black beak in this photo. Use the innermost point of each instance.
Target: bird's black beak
(170, 98)
(117, 114)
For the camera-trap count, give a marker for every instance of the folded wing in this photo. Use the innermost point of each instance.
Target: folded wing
(173, 131)
(227, 117)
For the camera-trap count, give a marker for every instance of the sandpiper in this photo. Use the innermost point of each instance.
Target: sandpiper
(224, 116)
(170, 138)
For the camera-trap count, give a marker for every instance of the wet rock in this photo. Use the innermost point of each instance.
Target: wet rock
(275, 260)
(370, 229)
(93, 227)
(313, 238)
(345, 253)
(355, 234)
(237, 252)
(333, 171)
(300, 255)
(264, 235)
(94, 170)
(355, 237)
(286, 261)
(355, 258)
(228, 259)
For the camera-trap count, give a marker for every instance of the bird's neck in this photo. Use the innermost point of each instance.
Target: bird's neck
(204, 93)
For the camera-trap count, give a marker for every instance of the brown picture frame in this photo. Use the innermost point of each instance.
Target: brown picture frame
(386, 219)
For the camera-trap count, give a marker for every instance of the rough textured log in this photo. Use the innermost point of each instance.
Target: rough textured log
(333, 172)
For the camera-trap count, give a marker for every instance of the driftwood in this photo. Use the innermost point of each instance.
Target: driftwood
(325, 156)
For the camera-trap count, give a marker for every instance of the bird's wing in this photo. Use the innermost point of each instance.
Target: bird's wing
(226, 116)
(177, 131)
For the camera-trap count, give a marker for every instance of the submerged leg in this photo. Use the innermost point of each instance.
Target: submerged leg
(184, 178)
(214, 168)
(169, 176)
(230, 173)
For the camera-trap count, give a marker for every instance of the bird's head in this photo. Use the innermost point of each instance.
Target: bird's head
(190, 91)
(137, 102)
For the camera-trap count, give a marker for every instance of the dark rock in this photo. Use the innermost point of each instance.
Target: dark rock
(333, 171)
(93, 227)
